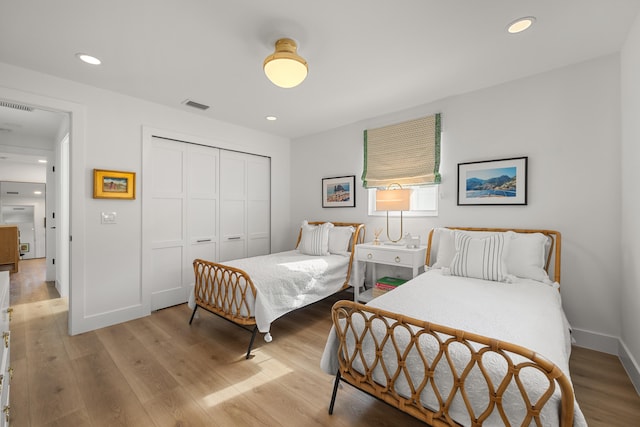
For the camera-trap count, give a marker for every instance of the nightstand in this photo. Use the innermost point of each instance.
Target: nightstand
(389, 255)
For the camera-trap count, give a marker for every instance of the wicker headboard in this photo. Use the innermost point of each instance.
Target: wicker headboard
(554, 249)
(358, 234)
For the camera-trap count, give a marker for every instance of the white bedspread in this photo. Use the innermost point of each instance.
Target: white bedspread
(525, 312)
(286, 281)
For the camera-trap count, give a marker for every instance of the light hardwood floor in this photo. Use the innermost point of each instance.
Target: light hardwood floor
(160, 371)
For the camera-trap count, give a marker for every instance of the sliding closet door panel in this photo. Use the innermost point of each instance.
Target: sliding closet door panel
(233, 205)
(259, 202)
(167, 227)
(203, 189)
(166, 221)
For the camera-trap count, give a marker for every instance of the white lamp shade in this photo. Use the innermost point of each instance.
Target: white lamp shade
(393, 200)
(285, 68)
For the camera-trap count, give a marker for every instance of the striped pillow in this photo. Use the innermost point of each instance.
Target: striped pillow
(480, 258)
(315, 239)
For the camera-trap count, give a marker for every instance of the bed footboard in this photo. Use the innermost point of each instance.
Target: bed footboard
(225, 291)
(410, 364)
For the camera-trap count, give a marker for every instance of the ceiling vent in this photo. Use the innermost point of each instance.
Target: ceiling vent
(12, 192)
(16, 106)
(194, 104)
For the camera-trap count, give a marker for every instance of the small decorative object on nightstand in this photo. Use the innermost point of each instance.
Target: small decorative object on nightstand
(376, 236)
(389, 255)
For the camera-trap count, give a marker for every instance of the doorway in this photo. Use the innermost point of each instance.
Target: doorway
(30, 141)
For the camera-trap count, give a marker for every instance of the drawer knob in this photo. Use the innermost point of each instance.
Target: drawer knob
(397, 259)
(369, 256)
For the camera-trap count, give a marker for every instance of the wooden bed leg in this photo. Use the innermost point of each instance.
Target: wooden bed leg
(335, 392)
(253, 337)
(193, 314)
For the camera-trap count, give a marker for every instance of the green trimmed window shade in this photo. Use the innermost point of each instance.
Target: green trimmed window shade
(405, 153)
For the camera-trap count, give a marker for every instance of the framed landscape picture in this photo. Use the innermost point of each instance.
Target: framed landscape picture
(493, 182)
(339, 192)
(114, 184)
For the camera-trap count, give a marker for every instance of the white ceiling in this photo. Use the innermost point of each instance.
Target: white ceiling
(366, 57)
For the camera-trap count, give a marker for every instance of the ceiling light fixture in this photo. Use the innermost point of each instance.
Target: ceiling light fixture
(521, 24)
(88, 59)
(284, 67)
(271, 118)
(42, 161)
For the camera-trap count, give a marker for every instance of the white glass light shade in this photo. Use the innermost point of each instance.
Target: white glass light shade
(393, 200)
(285, 68)
(521, 24)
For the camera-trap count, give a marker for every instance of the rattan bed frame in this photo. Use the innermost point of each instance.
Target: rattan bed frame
(344, 311)
(225, 286)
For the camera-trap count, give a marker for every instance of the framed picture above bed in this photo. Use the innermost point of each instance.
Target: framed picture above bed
(339, 192)
(493, 182)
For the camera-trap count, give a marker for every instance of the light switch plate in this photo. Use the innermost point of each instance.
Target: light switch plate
(109, 217)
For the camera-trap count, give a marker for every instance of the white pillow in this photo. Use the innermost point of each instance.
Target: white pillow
(315, 239)
(445, 247)
(481, 258)
(339, 239)
(527, 256)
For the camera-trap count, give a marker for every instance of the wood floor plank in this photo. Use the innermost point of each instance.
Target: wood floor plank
(108, 398)
(145, 375)
(176, 408)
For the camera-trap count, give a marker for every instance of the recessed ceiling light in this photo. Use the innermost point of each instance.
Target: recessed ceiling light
(521, 24)
(271, 118)
(88, 59)
(42, 161)
(37, 192)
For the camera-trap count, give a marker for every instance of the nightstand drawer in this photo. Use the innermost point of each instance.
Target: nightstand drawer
(386, 257)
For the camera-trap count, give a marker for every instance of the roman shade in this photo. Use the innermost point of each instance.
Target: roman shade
(406, 153)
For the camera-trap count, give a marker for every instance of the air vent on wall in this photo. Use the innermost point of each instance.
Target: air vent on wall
(194, 104)
(12, 192)
(16, 106)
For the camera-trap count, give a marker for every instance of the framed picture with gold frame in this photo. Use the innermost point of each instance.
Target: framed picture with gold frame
(114, 184)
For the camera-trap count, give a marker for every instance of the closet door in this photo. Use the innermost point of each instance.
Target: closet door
(165, 220)
(259, 203)
(245, 206)
(180, 220)
(202, 205)
(233, 205)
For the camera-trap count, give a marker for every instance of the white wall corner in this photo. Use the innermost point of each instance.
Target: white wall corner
(630, 365)
(596, 341)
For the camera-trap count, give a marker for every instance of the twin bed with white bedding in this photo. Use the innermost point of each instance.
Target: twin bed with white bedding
(256, 291)
(478, 339)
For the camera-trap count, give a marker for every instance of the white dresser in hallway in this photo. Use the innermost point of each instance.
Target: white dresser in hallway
(5, 365)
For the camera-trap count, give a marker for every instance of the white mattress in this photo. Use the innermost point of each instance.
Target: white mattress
(286, 281)
(525, 312)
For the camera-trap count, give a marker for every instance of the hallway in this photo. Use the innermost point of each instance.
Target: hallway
(28, 284)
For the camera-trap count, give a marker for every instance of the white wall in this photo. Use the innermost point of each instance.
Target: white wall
(630, 301)
(107, 133)
(567, 122)
(22, 172)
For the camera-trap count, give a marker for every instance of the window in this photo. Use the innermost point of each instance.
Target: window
(424, 202)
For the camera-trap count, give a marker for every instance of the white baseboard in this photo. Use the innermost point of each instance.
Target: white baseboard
(595, 341)
(611, 345)
(630, 365)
